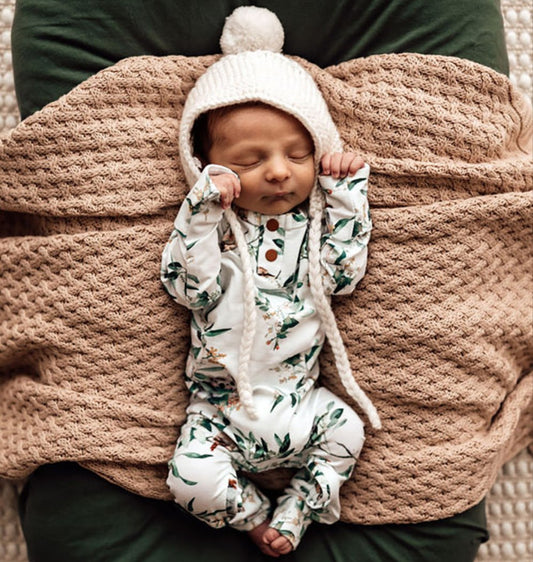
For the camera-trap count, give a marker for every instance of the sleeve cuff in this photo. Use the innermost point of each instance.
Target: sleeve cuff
(204, 190)
(330, 184)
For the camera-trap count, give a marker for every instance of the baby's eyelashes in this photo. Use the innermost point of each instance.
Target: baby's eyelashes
(300, 157)
(246, 164)
(250, 164)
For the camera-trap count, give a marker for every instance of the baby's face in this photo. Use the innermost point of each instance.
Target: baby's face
(273, 154)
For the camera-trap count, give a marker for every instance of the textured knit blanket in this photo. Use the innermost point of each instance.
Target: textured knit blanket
(439, 331)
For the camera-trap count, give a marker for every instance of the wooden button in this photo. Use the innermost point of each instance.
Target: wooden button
(271, 255)
(272, 225)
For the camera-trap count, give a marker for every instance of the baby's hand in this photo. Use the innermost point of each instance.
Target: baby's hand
(229, 187)
(341, 164)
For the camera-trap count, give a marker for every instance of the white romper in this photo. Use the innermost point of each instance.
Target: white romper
(299, 425)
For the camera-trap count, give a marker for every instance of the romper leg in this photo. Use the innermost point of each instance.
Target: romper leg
(203, 479)
(330, 457)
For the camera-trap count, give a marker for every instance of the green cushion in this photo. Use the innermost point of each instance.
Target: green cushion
(57, 44)
(69, 513)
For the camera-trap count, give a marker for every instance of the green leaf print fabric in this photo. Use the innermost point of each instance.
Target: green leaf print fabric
(205, 472)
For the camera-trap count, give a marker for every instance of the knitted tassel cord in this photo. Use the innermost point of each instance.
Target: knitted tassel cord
(326, 314)
(244, 387)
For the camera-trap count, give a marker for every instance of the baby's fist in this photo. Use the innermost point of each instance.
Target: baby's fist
(341, 164)
(228, 186)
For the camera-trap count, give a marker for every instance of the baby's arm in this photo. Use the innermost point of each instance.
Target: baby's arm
(190, 264)
(347, 227)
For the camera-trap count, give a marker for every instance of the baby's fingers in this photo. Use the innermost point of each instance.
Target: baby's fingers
(331, 164)
(229, 188)
(325, 164)
(353, 163)
(341, 164)
(336, 165)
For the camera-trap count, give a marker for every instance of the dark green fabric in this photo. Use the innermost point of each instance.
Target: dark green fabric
(69, 513)
(57, 44)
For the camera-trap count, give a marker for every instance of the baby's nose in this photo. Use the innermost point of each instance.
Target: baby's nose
(278, 169)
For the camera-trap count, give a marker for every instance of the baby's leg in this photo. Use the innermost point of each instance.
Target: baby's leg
(333, 448)
(203, 480)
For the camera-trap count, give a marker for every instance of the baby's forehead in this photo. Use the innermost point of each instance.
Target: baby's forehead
(254, 119)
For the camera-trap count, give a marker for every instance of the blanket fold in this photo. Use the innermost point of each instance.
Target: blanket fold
(439, 331)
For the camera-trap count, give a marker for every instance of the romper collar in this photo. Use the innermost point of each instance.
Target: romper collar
(288, 221)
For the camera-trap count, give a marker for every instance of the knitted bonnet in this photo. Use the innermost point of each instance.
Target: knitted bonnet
(253, 69)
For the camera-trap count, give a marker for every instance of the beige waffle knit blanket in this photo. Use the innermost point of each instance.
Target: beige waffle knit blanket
(439, 332)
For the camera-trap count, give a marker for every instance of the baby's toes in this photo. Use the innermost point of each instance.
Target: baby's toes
(270, 535)
(281, 545)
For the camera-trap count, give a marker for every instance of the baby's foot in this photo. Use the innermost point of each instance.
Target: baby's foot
(276, 541)
(257, 536)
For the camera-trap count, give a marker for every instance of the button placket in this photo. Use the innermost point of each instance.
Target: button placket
(270, 255)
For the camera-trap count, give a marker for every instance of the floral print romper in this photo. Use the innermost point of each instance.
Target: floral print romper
(299, 425)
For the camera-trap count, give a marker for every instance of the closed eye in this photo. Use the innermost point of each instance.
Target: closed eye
(247, 158)
(246, 164)
(300, 157)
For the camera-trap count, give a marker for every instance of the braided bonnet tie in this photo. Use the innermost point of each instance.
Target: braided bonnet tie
(244, 388)
(322, 303)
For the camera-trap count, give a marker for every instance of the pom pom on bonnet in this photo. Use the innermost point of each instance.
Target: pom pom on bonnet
(253, 69)
(252, 29)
